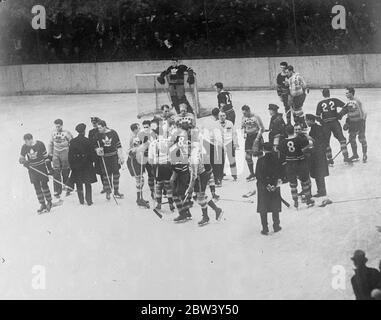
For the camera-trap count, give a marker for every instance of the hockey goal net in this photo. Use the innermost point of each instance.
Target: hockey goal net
(151, 95)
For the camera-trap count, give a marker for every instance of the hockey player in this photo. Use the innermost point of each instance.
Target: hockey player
(297, 87)
(58, 154)
(146, 136)
(159, 158)
(277, 127)
(229, 142)
(283, 90)
(179, 158)
(92, 137)
(185, 115)
(213, 144)
(81, 159)
(34, 157)
(175, 79)
(292, 151)
(318, 160)
(109, 148)
(135, 163)
(224, 99)
(355, 123)
(268, 173)
(328, 116)
(253, 129)
(199, 177)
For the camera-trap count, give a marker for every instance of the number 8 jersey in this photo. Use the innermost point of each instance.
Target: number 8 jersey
(292, 148)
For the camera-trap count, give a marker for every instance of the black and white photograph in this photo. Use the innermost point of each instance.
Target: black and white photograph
(190, 150)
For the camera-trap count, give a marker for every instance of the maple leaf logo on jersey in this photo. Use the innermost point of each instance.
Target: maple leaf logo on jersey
(59, 136)
(32, 155)
(174, 71)
(107, 141)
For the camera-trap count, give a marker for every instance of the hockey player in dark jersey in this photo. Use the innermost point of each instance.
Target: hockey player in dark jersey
(224, 99)
(109, 148)
(175, 79)
(92, 137)
(292, 152)
(135, 164)
(277, 127)
(34, 157)
(283, 90)
(327, 115)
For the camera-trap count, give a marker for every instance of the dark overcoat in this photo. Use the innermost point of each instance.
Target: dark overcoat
(268, 171)
(318, 160)
(81, 159)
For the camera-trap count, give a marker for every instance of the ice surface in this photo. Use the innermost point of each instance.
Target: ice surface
(121, 252)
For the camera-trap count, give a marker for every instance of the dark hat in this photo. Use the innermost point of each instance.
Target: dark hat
(94, 119)
(80, 128)
(267, 146)
(310, 117)
(359, 256)
(284, 64)
(273, 107)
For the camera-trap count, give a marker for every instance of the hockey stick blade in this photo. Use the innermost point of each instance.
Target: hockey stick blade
(158, 213)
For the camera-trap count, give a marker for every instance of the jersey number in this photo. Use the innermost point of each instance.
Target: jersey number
(290, 146)
(330, 106)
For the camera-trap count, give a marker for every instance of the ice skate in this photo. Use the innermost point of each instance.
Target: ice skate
(219, 214)
(49, 206)
(364, 158)
(158, 207)
(188, 215)
(108, 195)
(118, 195)
(57, 195)
(172, 207)
(180, 218)
(310, 203)
(325, 202)
(251, 177)
(42, 209)
(143, 203)
(296, 204)
(331, 162)
(354, 158)
(215, 197)
(235, 178)
(204, 221)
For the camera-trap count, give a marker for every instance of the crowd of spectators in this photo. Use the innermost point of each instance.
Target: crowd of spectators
(190, 29)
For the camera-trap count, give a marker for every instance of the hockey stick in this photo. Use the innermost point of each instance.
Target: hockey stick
(108, 177)
(235, 200)
(55, 180)
(285, 202)
(339, 152)
(351, 200)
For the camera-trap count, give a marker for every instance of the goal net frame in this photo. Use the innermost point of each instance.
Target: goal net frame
(163, 90)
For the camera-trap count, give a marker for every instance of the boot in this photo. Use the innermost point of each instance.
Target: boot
(250, 177)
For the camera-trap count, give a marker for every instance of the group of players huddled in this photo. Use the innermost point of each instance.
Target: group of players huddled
(181, 158)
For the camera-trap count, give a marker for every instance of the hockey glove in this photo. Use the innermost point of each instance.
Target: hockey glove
(161, 80)
(100, 152)
(345, 127)
(26, 164)
(190, 79)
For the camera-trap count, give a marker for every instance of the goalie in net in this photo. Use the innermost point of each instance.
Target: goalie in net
(175, 85)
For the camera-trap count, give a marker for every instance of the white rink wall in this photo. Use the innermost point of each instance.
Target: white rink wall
(237, 74)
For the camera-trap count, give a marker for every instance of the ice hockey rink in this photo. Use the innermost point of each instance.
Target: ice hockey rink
(122, 252)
